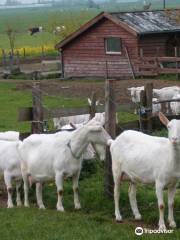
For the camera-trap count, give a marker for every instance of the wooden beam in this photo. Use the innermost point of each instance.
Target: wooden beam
(66, 112)
(146, 104)
(37, 123)
(92, 107)
(110, 126)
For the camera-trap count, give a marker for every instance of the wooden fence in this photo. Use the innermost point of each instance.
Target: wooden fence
(38, 114)
(8, 59)
(146, 123)
(154, 66)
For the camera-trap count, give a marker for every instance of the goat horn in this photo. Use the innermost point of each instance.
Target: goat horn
(73, 126)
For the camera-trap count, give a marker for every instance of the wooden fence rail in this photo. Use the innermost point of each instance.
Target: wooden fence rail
(153, 66)
(38, 113)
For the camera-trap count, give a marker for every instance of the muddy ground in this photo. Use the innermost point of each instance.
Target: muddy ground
(84, 88)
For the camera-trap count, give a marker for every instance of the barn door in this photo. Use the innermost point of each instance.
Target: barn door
(173, 41)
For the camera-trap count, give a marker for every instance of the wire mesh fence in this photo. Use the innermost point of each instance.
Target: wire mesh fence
(67, 99)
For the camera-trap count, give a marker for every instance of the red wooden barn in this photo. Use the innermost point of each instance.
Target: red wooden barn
(110, 44)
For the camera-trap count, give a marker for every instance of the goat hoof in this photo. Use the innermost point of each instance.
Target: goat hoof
(42, 207)
(138, 217)
(172, 224)
(162, 227)
(60, 209)
(26, 205)
(10, 206)
(78, 206)
(119, 219)
(19, 204)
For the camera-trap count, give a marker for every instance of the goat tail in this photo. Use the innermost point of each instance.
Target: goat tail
(110, 141)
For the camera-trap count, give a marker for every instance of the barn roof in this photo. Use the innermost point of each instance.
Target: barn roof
(150, 21)
(137, 23)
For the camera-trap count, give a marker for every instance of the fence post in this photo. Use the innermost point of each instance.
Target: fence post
(142, 60)
(42, 53)
(18, 59)
(176, 55)
(24, 52)
(110, 126)
(4, 58)
(37, 123)
(11, 61)
(92, 107)
(146, 105)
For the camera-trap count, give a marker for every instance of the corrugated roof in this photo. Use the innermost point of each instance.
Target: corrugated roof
(149, 21)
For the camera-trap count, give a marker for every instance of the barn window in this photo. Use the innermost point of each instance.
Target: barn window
(113, 45)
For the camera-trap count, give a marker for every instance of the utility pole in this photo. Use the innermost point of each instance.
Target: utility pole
(164, 4)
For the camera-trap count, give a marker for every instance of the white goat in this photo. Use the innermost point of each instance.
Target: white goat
(9, 136)
(57, 156)
(78, 119)
(59, 29)
(162, 94)
(10, 164)
(155, 107)
(135, 93)
(148, 159)
(166, 93)
(59, 123)
(89, 153)
(175, 106)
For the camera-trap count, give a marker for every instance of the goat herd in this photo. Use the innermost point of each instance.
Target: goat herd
(163, 94)
(136, 157)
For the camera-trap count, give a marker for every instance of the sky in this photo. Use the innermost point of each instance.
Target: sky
(35, 1)
(24, 1)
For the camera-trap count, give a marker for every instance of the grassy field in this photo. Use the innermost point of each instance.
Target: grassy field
(20, 20)
(94, 222)
(12, 99)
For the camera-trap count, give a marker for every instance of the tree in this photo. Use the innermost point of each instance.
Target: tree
(173, 14)
(11, 34)
(92, 4)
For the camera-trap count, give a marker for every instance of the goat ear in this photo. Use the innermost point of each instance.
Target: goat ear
(95, 128)
(73, 126)
(163, 119)
(89, 101)
(97, 102)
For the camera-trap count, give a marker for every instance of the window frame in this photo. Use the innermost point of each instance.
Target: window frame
(111, 52)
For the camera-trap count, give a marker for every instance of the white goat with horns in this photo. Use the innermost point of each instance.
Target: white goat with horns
(148, 159)
(59, 123)
(10, 164)
(58, 156)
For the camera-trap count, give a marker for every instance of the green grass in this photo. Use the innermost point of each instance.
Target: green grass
(13, 99)
(20, 20)
(94, 222)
